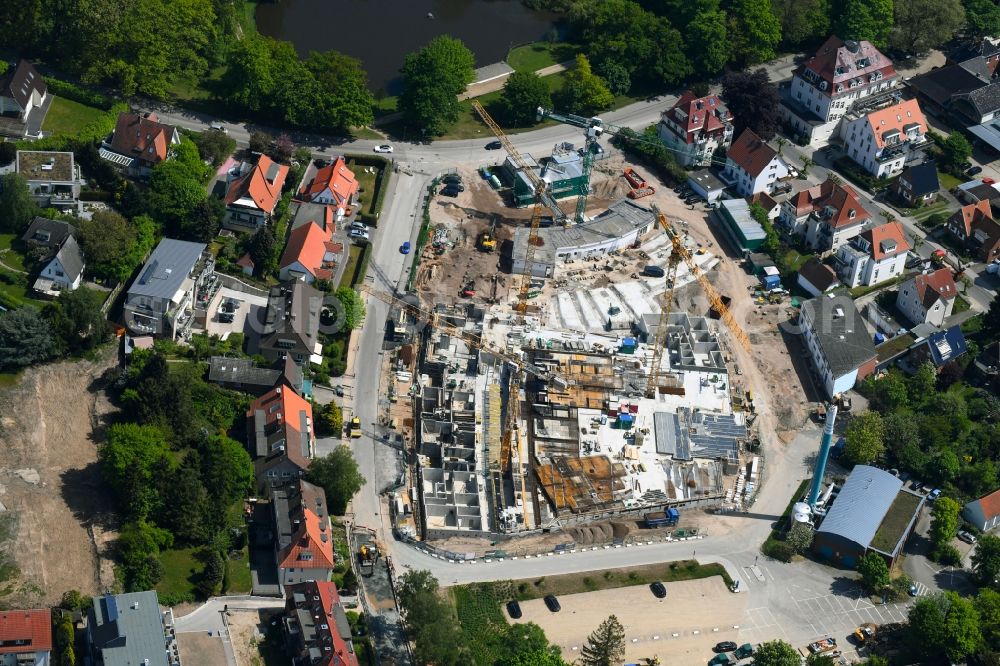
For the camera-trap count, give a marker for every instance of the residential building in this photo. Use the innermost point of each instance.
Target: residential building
(874, 256)
(752, 166)
(252, 194)
(988, 361)
(734, 218)
(246, 264)
(24, 101)
(695, 127)
(333, 185)
(303, 544)
(317, 632)
(983, 513)
(291, 324)
(964, 93)
(63, 271)
(128, 630)
(938, 348)
(872, 513)
(161, 300)
(771, 207)
(816, 278)
(140, 142)
(53, 177)
(884, 141)
(824, 88)
(311, 254)
(918, 184)
(281, 436)
(986, 49)
(706, 185)
(47, 234)
(242, 374)
(928, 298)
(826, 215)
(623, 224)
(973, 225)
(26, 638)
(837, 341)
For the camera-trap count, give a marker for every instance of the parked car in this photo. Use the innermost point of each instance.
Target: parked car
(450, 191)
(226, 317)
(916, 485)
(693, 199)
(933, 495)
(455, 186)
(405, 247)
(658, 589)
(359, 234)
(552, 603)
(452, 178)
(219, 127)
(967, 536)
(974, 170)
(494, 145)
(725, 646)
(359, 225)
(384, 148)
(653, 271)
(514, 610)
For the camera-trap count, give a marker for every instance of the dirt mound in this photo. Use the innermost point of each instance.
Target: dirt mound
(586, 535)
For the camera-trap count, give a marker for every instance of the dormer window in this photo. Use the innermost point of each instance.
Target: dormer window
(851, 214)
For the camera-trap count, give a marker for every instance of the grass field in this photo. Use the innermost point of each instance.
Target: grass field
(921, 214)
(181, 569)
(794, 259)
(354, 256)
(536, 56)
(366, 184)
(238, 578)
(67, 117)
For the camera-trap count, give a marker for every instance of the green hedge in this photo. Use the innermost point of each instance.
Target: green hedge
(79, 94)
(774, 546)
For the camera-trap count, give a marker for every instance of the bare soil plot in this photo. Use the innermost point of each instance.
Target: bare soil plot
(199, 649)
(247, 632)
(50, 479)
(700, 612)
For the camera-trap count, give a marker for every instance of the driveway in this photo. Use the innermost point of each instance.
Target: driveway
(929, 576)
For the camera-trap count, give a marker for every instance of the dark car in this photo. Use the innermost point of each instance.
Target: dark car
(452, 178)
(514, 610)
(450, 191)
(916, 485)
(456, 186)
(681, 188)
(552, 603)
(693, 199)
(725, 646)
(494, 145)
(972, 171)
(658, 590)
(653, 271)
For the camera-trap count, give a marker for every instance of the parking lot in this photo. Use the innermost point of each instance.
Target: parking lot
(685, 625)
(216, 323)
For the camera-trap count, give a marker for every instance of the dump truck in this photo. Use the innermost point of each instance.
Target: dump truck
(865, 632)
(638, 186)
(662, 518)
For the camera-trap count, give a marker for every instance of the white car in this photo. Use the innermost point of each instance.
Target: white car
(219, 127)
(384, 148)
(359, 233)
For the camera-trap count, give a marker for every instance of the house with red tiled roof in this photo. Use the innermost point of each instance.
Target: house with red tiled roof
(884, 141)
(253, 193)
(768, 203)
(825, 87)
(140, 142)
(281, 436)
(303, 543)
(310, 254)
(973, 225)
(983, 513)
(25, 637)
(752, 166)
(316, 629)
(695, 127)
(873, 256)
(928, 298)
(826, 215)
(333, 185)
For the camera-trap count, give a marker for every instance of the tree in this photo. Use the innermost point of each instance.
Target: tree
(820, 660)
(755, 31)
(775, 653)
(261, 142)
(982, 18)
(926, 24)
(227, 470)
(874, 573)
(889, 392)
(174, 195)
(988, 605)
(799, 538)
(584, 92)
(923, 383)
(102, 237)
(263, 249)
(991, 318)
(708, 42)
(986, 560)
(606, 645)
(526, 645)
(17, 208)
(955, 150)
(348, 100)
(8, 149)
(331, 419)
(78, 320)
(865, 439)
(523, 93)
(338, 474)
(429, 620)
(25, 338)
(433, 77)
(802, 20)
(139, 546)
(754, 101)
(870, 20)
(945, 625)
(615, 75)
(211, 577)
(771, 244)
(185, 507)
(215, 146)
(205, 220)
(354, 307)
(129, 458)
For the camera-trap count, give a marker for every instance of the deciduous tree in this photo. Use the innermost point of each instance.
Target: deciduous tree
(606, 645)
(874, 573)
(174, 195)
(433, 77)
(800, 538)
(584, 92)
(227, 470)
(755, 31)
(775, 653)
(354, 307)
(523, 93)
(944, 524)
(429, 620)
(865, 439)
(986, 560)
(347, 100)
(215, 145)
(17, 208)
(708, 42)
(338, 474)
(802, 20)
(982, 18)
(870, 20)
(955, 150)
(926, 24)
(754, 101)
(78, 321)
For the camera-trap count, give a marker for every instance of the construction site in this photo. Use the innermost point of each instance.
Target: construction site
(578, 361)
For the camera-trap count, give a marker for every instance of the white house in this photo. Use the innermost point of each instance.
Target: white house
(752, 166)
(816, 278)
(983, 513)
(333, 185)
(64, 270)
(837, 340)
(928, 298)
(24, 97)
(883, 141)
(874, 256)
(824, 88)
(695, 127)
(826, 215)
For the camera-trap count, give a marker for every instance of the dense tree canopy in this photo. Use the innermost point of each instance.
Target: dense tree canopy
(775, 653)
(583, 92)
(802, 21)
(755, 31)
(17, 208)
(523, 93)
(25, 338)
(754, 101)
(429, 620)
(433, 77)
(944, 626)
(874, 572)
(337, 473)
(865, 438)
(78, 321)
(986, 560)
(926, 24)
(114, 246)
(982, 18)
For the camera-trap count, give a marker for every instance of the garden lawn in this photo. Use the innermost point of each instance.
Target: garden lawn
(948, 181)
(354, 256)
(924, 212)
(538, 55)
(10, 256)
(366, 183)
(181, 569)
(67, 117)
(794, 260)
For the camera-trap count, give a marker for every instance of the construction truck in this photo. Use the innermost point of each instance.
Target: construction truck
(638, 187)
(865, 632)
(355, 428)
(486, 242)
(367, 556)
(823, 646)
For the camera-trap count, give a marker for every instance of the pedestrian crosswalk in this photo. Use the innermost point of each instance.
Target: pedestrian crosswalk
(920, 589)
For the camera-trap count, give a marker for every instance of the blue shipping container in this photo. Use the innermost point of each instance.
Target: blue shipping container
(771, 281)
